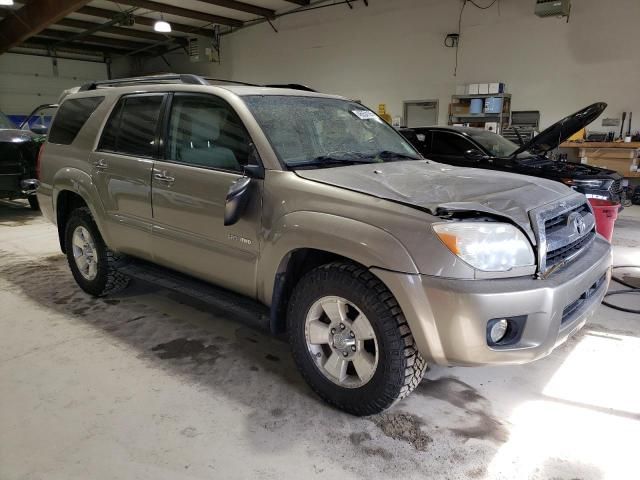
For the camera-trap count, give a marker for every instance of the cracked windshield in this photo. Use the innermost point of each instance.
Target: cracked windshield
(316, 132)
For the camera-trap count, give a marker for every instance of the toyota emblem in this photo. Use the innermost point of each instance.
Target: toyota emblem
(578, 223)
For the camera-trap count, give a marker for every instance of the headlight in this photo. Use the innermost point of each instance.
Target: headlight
(601, 183)
(492, 247)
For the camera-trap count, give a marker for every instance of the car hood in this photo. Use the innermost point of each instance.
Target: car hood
(441, 189)
(15, 136)
(560, 131)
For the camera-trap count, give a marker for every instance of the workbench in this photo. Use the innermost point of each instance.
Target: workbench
(618, 156)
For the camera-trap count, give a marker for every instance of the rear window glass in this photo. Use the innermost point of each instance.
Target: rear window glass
(132, 127)
(72, 115)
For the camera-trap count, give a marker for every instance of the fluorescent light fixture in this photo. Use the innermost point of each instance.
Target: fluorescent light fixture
(6, 2)
(160, 26)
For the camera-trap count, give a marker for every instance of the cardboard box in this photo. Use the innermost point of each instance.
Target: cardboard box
(458, 109)
(491, 127)
(473, 89)
(496, 87)
(483, 88)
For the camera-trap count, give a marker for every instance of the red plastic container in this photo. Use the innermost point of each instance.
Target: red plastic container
(606, 214)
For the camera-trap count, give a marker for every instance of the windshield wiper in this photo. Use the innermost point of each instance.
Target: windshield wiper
(346, 158)
(388, 154)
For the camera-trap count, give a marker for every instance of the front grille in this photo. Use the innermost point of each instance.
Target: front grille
(553, 224)
(561, 254)
(563, 230)
(570, 309)
(616, 187)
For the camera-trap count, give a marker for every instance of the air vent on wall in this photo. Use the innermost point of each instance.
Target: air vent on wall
(202, 49)
(553, 8)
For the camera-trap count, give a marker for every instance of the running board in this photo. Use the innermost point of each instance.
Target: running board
(219, 298)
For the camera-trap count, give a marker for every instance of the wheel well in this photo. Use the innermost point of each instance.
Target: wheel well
(292, 268)
(66, 203)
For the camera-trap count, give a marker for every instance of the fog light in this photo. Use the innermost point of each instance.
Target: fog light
(498, 330)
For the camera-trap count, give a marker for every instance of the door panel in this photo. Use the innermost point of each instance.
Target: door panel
(205, 149)
(124, 186)
(122, 168)
(189, 233)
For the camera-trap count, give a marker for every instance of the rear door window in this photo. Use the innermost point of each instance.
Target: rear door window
(71, 117)
(132, 128)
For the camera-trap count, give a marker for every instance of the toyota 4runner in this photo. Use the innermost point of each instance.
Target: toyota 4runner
(373, 259)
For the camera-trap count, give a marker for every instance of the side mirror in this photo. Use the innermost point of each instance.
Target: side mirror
(474, 155)
(237, 199)
(39, 129)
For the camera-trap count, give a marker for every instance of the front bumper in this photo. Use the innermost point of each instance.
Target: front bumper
(448, 317)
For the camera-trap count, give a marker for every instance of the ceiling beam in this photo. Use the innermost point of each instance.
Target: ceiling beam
(303, 3)
(40, 43)
(146, 21)
(67, 37)
(32, 18)
(182, 12)
(127, 32)
(242, 7)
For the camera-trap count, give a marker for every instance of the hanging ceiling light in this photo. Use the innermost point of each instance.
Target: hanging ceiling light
(160, 26)
(6, 2)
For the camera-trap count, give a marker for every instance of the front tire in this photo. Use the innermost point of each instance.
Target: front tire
(93, 265)
(351, 341)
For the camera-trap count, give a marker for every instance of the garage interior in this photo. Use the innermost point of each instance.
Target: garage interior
(155, 383)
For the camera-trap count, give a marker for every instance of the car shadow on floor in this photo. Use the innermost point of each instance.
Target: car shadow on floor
(15, 213)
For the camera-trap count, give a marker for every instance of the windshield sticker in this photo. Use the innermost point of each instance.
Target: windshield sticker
(364, 114)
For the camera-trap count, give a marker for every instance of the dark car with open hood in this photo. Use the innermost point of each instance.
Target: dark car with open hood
(18, 155)
(475, 147)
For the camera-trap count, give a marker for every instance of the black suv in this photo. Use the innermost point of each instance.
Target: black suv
(475, 147)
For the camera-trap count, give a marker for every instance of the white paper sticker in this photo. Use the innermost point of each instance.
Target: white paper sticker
(364, 114)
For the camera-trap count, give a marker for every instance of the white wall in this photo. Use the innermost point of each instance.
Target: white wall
(28, 81)
(393, 51)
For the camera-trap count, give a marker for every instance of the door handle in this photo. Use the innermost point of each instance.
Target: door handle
(101, 164)
(163, 177)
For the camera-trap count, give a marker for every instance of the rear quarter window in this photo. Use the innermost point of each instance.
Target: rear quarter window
(71, 117)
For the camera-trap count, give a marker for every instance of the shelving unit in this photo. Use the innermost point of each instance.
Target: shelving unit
(479, 120)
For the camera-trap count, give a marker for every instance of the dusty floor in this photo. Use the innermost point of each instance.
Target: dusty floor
(151, 385)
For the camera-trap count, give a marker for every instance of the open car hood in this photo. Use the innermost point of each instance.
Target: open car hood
(557, 133)
(441, 189)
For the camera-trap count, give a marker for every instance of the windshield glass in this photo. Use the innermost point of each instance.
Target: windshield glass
(307, 131)
(496, 145)
(5, 122)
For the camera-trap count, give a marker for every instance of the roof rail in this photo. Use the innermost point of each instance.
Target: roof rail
(234, 82)
(292, 86)
(184, 78)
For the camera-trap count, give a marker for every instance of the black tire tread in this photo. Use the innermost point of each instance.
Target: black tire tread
(414, 364)
(115, 281)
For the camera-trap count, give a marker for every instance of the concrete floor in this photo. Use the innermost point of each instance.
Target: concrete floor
(151, 385)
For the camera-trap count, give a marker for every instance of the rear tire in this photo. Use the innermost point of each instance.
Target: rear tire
(397, 366)
(33, 202)
(93, 265)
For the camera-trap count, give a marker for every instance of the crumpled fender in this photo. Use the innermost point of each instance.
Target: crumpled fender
(363, 243)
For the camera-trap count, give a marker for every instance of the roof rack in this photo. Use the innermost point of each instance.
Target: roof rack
(292, 86)
(188, 79)
(184, 78)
